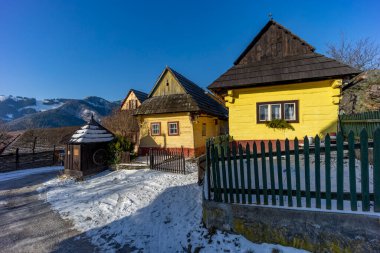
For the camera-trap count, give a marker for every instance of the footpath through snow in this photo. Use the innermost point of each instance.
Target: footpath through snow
(148, 211)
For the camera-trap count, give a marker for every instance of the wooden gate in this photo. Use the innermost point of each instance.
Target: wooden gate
(166, 160)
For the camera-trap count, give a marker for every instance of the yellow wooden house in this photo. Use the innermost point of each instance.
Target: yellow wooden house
(133, 100)
(280, 76)
(179, 114)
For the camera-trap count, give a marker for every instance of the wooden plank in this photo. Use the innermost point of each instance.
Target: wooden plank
(352, 170)
(236, 175)
(339, 166)
(242, 177)
(307, 171)
(298, 175)
(288, 173)
(249, 173)
(364, 169)
(218, 177)
(279, 172)
(256, 170)
(271, 170)
(376, 170)
(328, 171)
(264, 172)
(213, 165)
(230, 171)
(224, 174)
(346, 195)
(317, 172)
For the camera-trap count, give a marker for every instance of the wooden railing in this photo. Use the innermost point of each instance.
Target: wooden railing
(323, 176)
(167, 160)
(17, 161)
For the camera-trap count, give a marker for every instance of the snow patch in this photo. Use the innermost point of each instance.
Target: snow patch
(24, 173)
(147, 210)
(41, 106)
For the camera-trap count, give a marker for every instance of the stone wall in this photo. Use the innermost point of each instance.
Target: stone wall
(315, 231)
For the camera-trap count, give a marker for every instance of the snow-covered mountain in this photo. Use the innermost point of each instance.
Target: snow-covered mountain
(20, 113)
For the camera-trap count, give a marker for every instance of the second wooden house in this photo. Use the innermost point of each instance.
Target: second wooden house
(179, 114)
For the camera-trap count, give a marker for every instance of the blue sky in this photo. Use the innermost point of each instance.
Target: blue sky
(74, 49)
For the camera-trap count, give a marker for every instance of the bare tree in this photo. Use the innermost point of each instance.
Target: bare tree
(363, 54)
(122, 123)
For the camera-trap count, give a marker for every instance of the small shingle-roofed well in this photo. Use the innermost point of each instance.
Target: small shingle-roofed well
(90, 133)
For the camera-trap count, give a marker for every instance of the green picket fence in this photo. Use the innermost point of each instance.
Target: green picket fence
(356, 122)
(324, 175)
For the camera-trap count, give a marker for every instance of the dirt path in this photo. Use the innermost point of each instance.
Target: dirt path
(28, 224)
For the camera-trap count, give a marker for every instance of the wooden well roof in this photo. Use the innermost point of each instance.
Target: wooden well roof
(92, 132)
(277, 56)
(195, 99)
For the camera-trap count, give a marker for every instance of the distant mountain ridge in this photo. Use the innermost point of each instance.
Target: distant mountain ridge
(19, 113)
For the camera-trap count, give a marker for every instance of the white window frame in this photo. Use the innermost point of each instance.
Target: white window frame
(153, 130)
(175, 123)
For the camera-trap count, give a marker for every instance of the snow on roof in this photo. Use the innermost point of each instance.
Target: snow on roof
(91, 132)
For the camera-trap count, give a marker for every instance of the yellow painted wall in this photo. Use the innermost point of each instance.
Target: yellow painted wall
(318, 109)
(132, 96)
(185, 137)
(173, 86)
(211, 129)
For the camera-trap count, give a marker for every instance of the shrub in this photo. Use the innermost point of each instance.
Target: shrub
(279, 124)
(119, 145)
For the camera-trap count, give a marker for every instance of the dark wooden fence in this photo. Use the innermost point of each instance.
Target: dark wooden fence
(17, 161)
(166, 160)
(324, 175)
(356, 122)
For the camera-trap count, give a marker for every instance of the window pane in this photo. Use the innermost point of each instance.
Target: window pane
(290, 111)
(263, 113)
(155, 129)
(275, 111)
(173, 128)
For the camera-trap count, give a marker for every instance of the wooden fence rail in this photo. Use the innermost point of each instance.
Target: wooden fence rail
(326, 176)
(17, 161)
(166, 160)
(356, 122)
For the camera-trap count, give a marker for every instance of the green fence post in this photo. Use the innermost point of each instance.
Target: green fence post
(376, 169)
(264, 172)
(256, 169)
(317, 172)
(279, 173)
(242, 177)
(225, 188)
(352, 170)
(218, 177)
(271, 170)
(288, 173)
(230, 175)
(249, 174)
(328, 171)
(213, 164)
(364, 169)
(236, 175)
(298, 176)
(339, 169)
(307, 170)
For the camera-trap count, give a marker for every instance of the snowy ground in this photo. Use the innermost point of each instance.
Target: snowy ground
(24, 173)
(146, 210)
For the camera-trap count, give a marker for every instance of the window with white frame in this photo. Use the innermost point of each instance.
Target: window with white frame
(155, 128)
(287, 110)
(173, 128)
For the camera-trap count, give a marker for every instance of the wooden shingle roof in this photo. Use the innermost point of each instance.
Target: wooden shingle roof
(195, 99)
(92, 132)
(297, 68)
(277, 56)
